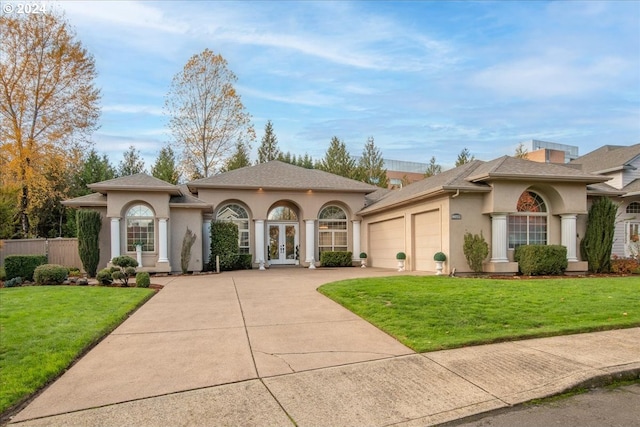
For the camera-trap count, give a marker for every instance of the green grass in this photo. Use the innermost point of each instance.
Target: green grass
(432, 313)
(44, 328)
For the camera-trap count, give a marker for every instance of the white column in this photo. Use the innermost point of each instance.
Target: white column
(115, 237)
(310, 247)
(568, 239)
(206, 240)
(163, 237)
(259, 232)
(356, 239)
(499, 237)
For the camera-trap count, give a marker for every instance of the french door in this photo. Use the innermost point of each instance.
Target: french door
(282, 243)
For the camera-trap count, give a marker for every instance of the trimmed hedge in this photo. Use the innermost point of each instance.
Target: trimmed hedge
(23, 265)
(50, 274)
(336, 259)
(143, 280)
(104, 276)
(535, 260)
(224, 243)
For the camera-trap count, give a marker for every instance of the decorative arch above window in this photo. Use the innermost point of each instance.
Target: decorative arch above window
(238, 215)
(140, 221)
(332, 229)
(531, 202)
(633, 208)
(528, 226)
(282, 213)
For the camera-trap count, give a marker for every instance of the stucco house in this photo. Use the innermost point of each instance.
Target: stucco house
(289, 215)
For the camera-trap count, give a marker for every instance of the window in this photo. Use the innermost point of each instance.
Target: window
(529, 225)
(282, 213)
(140, 228)
(238, 215)
(633, 208)
(332, 229)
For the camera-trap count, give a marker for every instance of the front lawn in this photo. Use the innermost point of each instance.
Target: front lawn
(430, 313)
(44, 328)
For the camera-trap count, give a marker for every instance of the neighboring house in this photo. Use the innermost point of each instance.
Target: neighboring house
(621, 164)
(290, 215)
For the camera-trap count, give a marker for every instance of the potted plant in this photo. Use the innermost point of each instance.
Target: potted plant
(363, 259)
(401, 257)
(439, 258)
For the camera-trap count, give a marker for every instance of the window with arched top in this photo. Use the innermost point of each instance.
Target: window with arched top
(239, 216)
(528, 226)
(282, 213)
(140, 221)
(332, 229)
(633, 208)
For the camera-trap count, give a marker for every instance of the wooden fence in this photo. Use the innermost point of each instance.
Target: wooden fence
(63, 251)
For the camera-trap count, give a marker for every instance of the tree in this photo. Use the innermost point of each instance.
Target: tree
(89, 224)
(371, 165)
(337, 160)
(433, 168)
(131, 163)
(597, 243)
(8, 211)
(48, 100)
(165, 167)
(464, 157)
(521, 151)
(239, 159)
(94, 169)
(268, 149)
(207, 117)
(306, 161)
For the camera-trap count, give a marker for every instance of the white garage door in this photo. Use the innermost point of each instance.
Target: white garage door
(386, 239)
(427, 239)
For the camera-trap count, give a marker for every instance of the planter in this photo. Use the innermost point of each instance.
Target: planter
(363, 263)
(400, 265)
(439, 268)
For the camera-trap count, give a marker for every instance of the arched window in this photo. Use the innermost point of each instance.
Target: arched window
(528, 226)
(633, 208)
(239, 216)
(140, 228)
(282, 213)
(332, 229)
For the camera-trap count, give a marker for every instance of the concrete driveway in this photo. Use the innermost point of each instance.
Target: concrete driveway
(265, 348)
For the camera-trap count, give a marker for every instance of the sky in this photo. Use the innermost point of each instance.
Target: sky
(423, 78)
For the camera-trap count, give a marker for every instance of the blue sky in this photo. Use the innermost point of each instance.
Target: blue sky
(423, 78)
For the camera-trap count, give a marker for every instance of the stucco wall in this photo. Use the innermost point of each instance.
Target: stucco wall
(469, 206)
(182, 218)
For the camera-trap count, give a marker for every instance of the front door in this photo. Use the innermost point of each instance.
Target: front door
(283, 243)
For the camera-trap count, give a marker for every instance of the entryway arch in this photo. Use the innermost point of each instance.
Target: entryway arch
(283, 241)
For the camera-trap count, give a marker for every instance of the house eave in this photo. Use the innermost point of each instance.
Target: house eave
(538, 178)
(172, 191)
(194, 189)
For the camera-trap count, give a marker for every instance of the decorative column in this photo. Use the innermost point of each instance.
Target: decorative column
(259, 233)
(163, 237)
(356, 239)
(499, 237)
(115, 237)
(568, 239)
(206, 240)
(310, 247)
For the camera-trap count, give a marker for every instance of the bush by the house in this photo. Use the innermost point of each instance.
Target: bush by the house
(336, 259)
(536, 260)
(125, 267)
(475, 249)
(104, 276)
(598, 239)
(143, 280)
(89, 224)
(12, 283)
(625, 266)
(50, 274)
(23, 265)
(242, 261)
(224, 244)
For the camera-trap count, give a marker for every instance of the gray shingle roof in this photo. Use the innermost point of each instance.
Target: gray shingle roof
(632, 188)
(607, 158)
(93, 199)
(276, 175)
(139, 181)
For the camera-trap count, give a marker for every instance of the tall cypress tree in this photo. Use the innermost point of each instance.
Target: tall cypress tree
(89, 224)
(268, 149)
(598, 239)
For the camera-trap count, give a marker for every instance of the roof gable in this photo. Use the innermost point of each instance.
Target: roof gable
(139, 181)
(608, 158)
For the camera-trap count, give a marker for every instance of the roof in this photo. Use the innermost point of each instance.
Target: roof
(139, 181)
(608, 158)
(276, 175)
(93, 199)
(632, 188)
(186, 200)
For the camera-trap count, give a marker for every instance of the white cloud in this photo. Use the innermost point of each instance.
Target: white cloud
(133, 109)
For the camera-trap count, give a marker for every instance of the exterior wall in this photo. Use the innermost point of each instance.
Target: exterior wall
(105, 238)
(181, 218)
(399, 176)
(561, 198)
(546, 155)
(469, 206)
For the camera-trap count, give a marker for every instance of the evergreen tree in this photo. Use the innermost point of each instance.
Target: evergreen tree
(433, 168)
(285, 157)
(165, 167)
(89, 224)
(371, 166)
(239, 159)
(132, 163)
(521, 151)
(337, 160)
(464, 157)
(268, 149)
(598, 239)
(306, 161)
(94, 169)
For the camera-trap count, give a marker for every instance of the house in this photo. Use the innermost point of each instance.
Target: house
(290, 215)
(621, 165)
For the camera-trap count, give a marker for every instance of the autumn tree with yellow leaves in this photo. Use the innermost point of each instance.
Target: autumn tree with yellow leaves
(207, 117)
(48, 107)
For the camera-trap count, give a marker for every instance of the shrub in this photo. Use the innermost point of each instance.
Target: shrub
(143, 280)
(50, 274)
(625, 266)
(401, 256)
(242, 262)
(74, 272)
(475, 250)
(127, 268)
(535, 260)
(439, 256)
(185, 255)
(12, 283)
(224, 243)
(104, 276)
(598, 239)
(336, 259)
(89, 223)
(23, 265)
(363, 255)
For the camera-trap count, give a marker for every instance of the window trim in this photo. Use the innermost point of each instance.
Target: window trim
(544, 213)
(137, 237)
(333, 231)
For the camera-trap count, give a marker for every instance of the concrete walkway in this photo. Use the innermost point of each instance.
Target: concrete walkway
(264, 348)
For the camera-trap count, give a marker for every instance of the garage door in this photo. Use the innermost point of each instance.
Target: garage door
(427, 239)
(386, 239)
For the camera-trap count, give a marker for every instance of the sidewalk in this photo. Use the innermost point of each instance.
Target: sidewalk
(264, 348)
